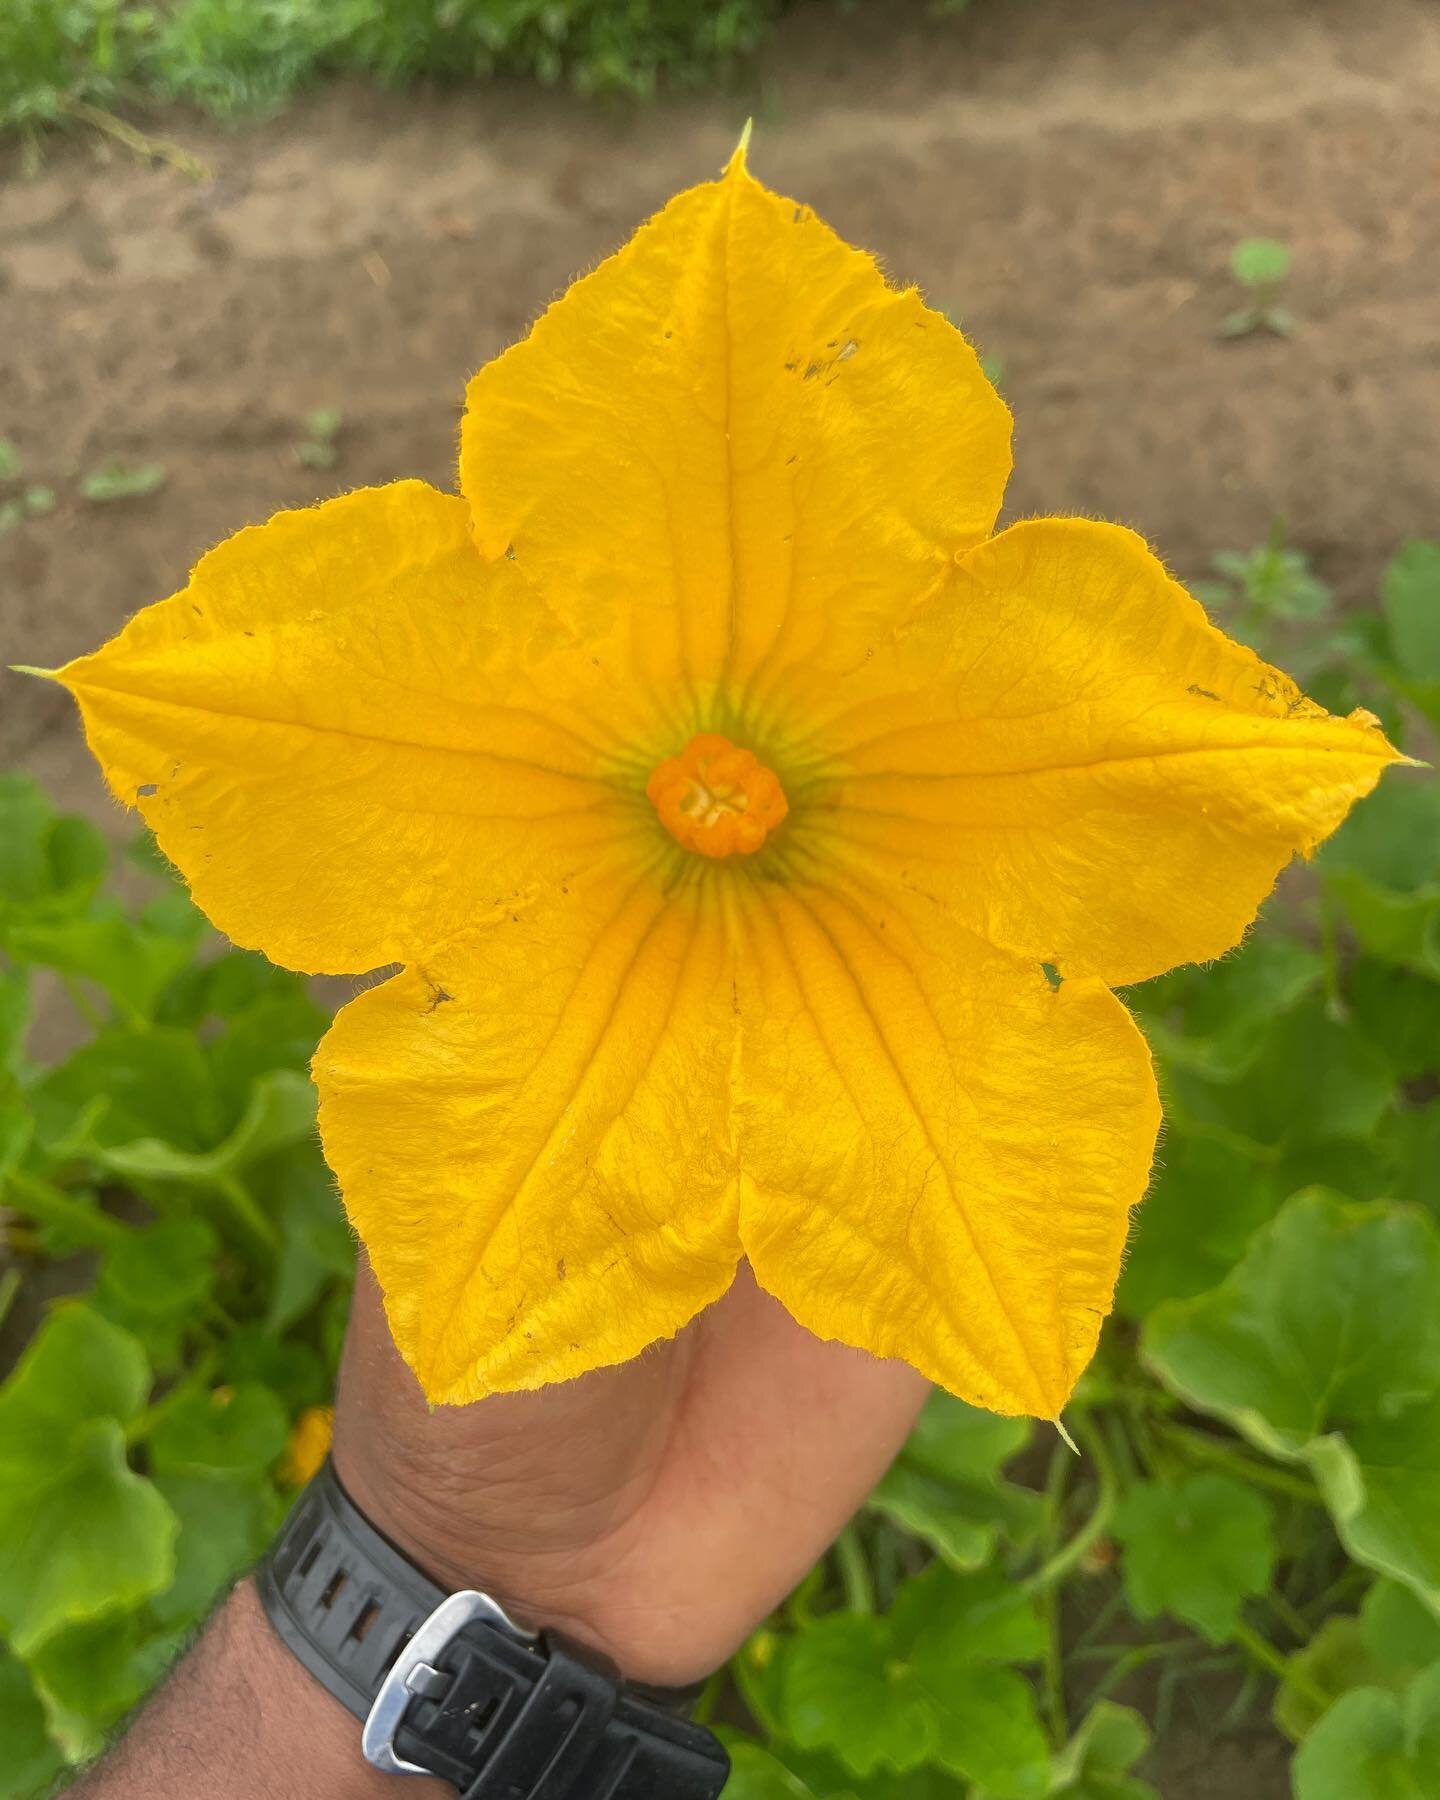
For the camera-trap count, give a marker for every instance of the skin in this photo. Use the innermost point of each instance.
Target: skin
(658, 1511)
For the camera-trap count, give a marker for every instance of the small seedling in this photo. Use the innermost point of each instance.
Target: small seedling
(1265, 589)
(115, 480)
(32, 501)
(1261, 266)
(317, 449)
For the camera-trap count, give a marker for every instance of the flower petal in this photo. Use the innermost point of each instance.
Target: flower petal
(354, 737)
(531, 1131)
(1061, 748)
(733, 440)
(940, 1151)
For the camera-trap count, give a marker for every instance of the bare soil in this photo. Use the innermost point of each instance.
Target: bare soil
(1066, 176)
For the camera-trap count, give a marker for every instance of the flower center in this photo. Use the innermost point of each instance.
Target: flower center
(716, 798)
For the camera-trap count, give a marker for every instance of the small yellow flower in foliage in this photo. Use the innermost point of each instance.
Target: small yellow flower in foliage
(309, 1444)
(724, 787)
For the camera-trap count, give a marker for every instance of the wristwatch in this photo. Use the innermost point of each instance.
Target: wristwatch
(448, 1686)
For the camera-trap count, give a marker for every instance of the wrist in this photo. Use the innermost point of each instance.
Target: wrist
(240, 1717)
(571, 1590)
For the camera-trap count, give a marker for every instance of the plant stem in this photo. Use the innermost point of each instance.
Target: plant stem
(1053, 1667)
(1055, 1568)
(196, 1377)
(1288, 1616)
(248, 1215)
(1265, 1656)
(51, 1205)
(854, 1571)
(9, 1288)
(1247, 1468)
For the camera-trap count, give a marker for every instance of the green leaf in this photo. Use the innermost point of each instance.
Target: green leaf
(155, 1281)
(132, 965)
(1398, 1010)
(29, 1760)
(1208, 1199)
(945, 1489)
(1414, 1139)
(1383, 866)
(128, 1084)
(281, 1112)
(1334, 1661)
(10, 464)
(1410, 596)
(50, 863)
(117, 480)
(229, 1431)
(1216, 1020)
(924, 1685)
(844, 1690)
(1381, 1480)
(1333, 1317)
(967, 1619)
(1259, 262)
(225, 1524)
(756, 1775)
(1314, 1078)
(276, 1031)
(80, 1533)
(1400, 1631)
(292, 1369)
(91, 1674)
(1196, 1551)
(1374, 1745)
(14, 1017)
(1095, 1764)
(316, 1246)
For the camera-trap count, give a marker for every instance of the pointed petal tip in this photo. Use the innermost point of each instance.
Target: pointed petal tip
(30, 669)
(737, 164)
(1065, 1437)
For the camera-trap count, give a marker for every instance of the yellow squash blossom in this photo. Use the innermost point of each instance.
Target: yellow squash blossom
(724, 788)
(308, 1444)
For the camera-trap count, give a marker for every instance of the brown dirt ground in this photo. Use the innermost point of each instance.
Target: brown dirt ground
(1068, 176)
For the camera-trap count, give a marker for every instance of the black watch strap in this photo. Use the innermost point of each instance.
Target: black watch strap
(447, 1685)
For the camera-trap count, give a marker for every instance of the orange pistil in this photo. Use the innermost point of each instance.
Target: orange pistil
(716, 798)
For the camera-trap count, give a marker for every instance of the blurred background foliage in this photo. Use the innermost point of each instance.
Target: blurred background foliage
(232, 56)
(1252, 1513)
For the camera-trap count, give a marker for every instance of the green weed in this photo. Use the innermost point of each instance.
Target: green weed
(1261, 266)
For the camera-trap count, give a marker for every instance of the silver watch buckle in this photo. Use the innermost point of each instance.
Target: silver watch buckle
(415, 1666)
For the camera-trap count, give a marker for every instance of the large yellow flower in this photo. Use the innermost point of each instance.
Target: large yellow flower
(724, 789)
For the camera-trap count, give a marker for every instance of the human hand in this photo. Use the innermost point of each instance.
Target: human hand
(657, 1510)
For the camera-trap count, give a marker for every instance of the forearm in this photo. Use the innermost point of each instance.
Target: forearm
(239, 1719)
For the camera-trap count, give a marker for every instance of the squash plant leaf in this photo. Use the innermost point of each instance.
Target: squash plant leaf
(1324, 1344)
(1331, 1317)
(80, 1533)
(1410, 597)
(29, 1759)
(233, 1431)
(1096, 1763)
(946, 1488)
(1375, 1745)
(1380, 1478)
(1196, 1550)
(927, 1684)
(1383, 867)
(1208, 1199)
